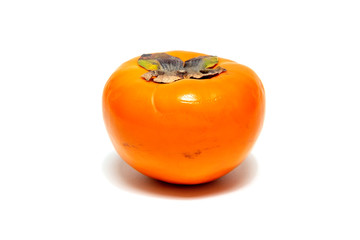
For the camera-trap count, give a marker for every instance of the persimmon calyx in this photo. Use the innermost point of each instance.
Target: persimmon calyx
(164, 68)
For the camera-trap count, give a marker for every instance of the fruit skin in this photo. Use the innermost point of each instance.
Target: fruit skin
(186, 132)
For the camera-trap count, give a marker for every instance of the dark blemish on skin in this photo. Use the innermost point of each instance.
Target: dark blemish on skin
(128, 145)
(198, 152)
(192, 155)
(187, 155)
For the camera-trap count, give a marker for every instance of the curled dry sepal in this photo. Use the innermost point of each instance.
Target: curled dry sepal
(164, 68)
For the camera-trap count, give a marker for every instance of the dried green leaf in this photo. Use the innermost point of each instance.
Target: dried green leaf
(165, 68)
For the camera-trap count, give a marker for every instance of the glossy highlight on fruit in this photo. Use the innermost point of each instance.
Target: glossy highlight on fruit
(188, 130)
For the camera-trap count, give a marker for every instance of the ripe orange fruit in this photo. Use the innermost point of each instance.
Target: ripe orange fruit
(183, 123)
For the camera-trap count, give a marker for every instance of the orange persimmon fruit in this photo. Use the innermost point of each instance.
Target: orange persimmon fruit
(172, 124)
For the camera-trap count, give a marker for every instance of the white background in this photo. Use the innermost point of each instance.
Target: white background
(61, 179)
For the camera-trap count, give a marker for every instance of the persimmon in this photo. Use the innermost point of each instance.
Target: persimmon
(183, 117)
